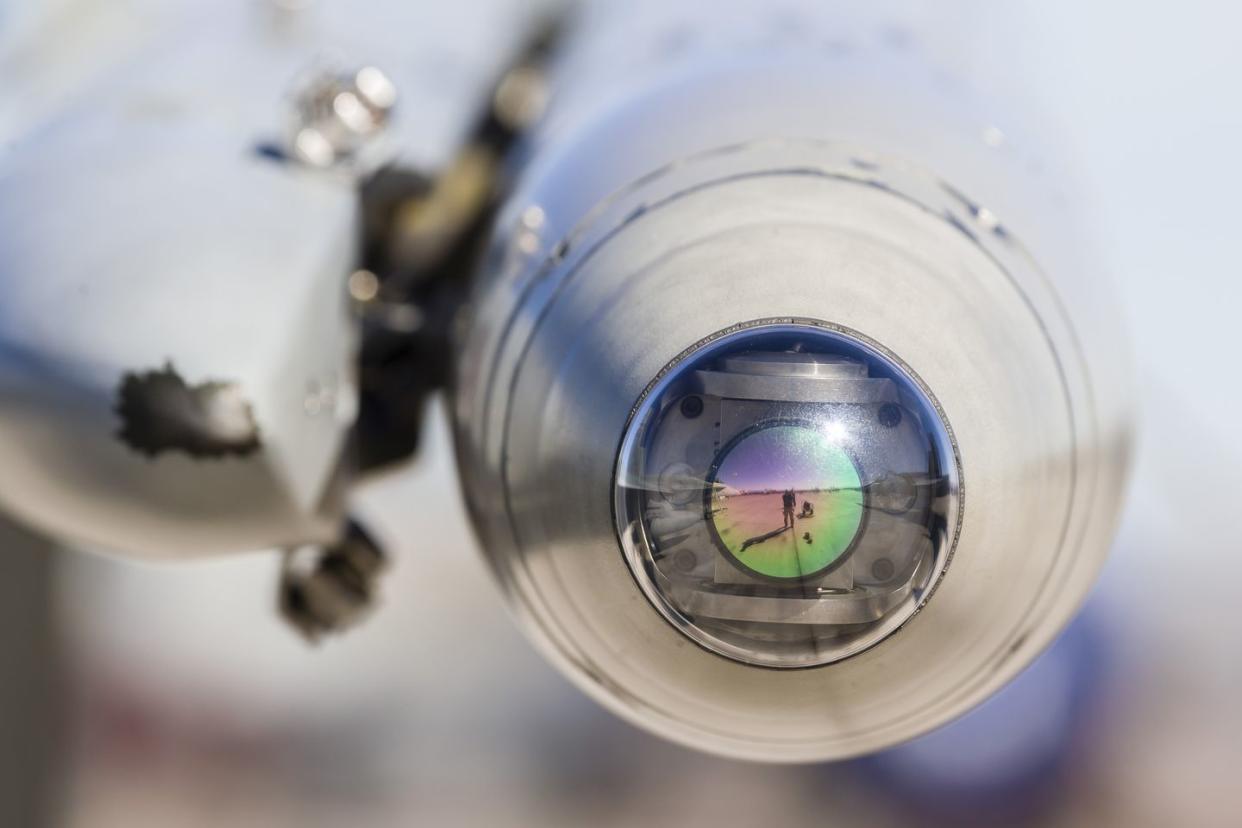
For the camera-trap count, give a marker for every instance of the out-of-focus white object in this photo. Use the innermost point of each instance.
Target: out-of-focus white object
(144, 277)
(162, 263)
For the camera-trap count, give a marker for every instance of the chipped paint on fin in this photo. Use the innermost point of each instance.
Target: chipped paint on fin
(160, 413)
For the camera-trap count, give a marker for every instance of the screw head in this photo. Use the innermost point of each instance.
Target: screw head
(336, 112)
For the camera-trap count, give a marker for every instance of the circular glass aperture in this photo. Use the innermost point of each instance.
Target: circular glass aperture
(786, 495)
(786, 501)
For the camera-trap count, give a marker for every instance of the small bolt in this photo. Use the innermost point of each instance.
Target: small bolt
(883, 569)
(320, 397)
(889, 415)
(521, 97)
(364, 286)
(986, 218)
(684, 561)
(533, 217)
(691, 407)
(528, 243)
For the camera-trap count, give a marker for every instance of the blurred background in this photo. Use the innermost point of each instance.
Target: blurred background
(174, 696)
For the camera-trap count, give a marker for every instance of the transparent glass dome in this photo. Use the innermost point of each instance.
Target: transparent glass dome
(786, 495)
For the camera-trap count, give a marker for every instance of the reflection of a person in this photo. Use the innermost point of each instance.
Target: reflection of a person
(789, 499)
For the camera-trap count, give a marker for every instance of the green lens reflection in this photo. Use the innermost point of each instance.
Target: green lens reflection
(786, 500)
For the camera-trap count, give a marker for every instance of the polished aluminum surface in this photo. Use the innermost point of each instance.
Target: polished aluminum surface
(718, 197)
(595, 326)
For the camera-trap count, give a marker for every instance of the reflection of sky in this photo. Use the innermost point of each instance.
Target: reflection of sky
(784, 457)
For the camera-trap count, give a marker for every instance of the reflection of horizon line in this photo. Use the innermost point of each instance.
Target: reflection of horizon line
(830, 490)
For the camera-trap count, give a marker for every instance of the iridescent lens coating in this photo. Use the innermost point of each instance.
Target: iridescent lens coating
(785, 494)
(786, 500)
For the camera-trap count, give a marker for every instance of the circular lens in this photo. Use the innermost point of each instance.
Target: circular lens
(786, 501)
(784, 495)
